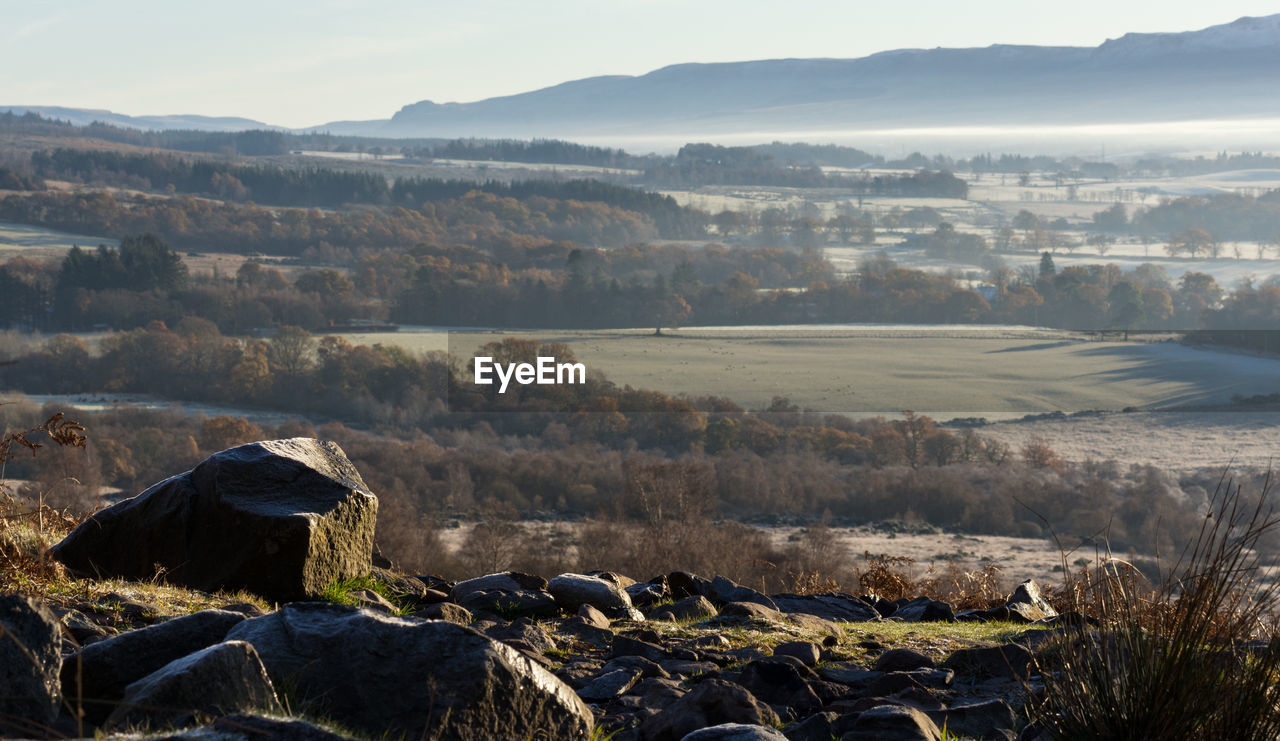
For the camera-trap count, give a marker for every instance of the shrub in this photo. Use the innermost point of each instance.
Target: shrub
(1195, 656)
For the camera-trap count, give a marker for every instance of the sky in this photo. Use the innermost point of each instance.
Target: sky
(293, 63)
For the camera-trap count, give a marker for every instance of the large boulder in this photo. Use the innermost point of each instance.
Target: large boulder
(217, 680)
(282, 518)
(711, 703)
(392, 676)
(100, 672)
(30, 659)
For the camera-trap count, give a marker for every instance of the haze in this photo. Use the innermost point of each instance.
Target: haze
(302, 64)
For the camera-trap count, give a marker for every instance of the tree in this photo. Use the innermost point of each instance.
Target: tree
(1047, 268)
(1191, 241)
(292, 350)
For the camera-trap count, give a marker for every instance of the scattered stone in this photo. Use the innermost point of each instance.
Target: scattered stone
(689, 609)
(610, 685)
(784, 684)
(849, 673)
(658, 693)
(649, 593)
(1010, 661)
(977, 719)
(682, 668)
(598, 637)
(682, 584)
(902, 660)
(373, 600)
(711, 702)
(591, 616)
(30, 660)
(713, 641)
(280, 518)
(646, 667)
(574, 590)
(893, 722)
(834, 606)
(925, 610)
(724, 591)
(83, 629)
(751, 610)
(433, 596)
(805, 651)
(735, 732)
(507, 605)
(625, 646)
(447, 611)
(224, 678)
(894, 682)
(400, 586)
(387, 675)
(1028, 604)
(106, 668)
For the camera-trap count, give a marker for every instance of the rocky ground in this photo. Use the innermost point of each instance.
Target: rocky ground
(264, 614)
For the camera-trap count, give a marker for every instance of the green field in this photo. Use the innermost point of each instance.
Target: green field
(944, 372)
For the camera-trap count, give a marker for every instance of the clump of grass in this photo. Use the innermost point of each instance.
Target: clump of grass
(1196, 656)
(341, 592)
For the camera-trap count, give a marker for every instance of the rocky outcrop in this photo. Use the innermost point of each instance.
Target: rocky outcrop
(571, 591)
(388, 675)
(30, 660)
(282, 518)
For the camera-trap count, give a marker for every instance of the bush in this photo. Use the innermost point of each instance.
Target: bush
(1195, 657)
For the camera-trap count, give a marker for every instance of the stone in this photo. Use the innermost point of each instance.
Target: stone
(724, 591)
(782, 684)
(1028, 604)
(30, 661)
(1010, 661)
(682, 584)
(751, 610)
(609, 685)
(592, 616)
(711, 702)
(894, 682)
(902, 660)
(571, 591)
(106, 668)
(735, 732)
(925, 610)
(247, 726)
(447, 611)
(689, 609)
(834, 606)
(508, 594)
(658, 693)
(646, 667)
(83, 629)
(280, 518)
(805, 651)
(218, 680)
(849, 673)
(385, 675)
(649, 593)
(522, 634)
(975, 719)
(505, 581)
(373, 600)
(400, 586)
(626, 646)
(893, 722)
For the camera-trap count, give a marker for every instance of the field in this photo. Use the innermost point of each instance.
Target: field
(41, 243)
(945, 371)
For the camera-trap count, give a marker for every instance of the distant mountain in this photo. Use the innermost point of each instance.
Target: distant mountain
(1226, 71)
(86, 116)
(1229, 71)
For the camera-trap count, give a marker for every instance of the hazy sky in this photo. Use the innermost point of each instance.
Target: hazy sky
(294, 63)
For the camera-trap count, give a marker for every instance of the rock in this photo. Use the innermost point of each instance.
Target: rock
(107, 667)
(246, 726)
(1010, 661)
(522, 634)
(713, 641)
(373, 600)
(834, 606)
(894, 682)
(976, 719)
(893, 722)
(711, 702)
(925, 610)
(657, 693)
(646, 667)
(504, 581)
(724, 591)
(650, 593)
(735, 732)
(571, 591)
(221, 679)
(400, 586)
(817, 625)
(598, 637)
(998, 613)
(682, 584)
(1027, 603)
(805, 651)
(281, 518)
(395, 676)
(751, 610)
(689, 609)
(447, 611)
(592, 616)
(782, 684)
(81, 628)
(902, 660)
(30, 660)
(609, 685)
(848, 673)
(626, 646)
(614, 577)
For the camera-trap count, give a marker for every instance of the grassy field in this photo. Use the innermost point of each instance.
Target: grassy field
(946, 372)
(41, 243)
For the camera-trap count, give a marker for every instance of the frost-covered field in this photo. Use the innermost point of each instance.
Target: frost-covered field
(39, 242)
(1172, 441)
